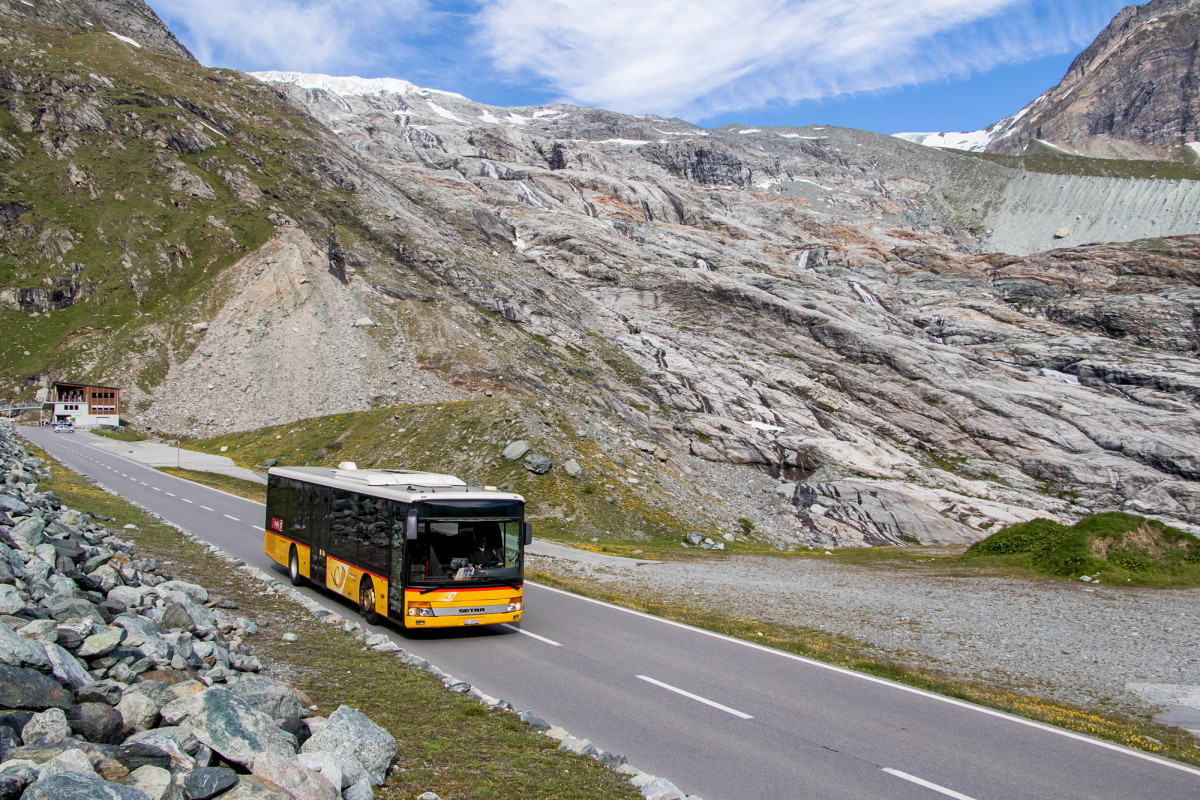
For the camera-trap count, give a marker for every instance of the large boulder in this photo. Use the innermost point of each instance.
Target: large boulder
(356, 740)
(30, 689)
(97, 722)
(300, 781)
(29, 531)
(138, 711)
(268, 696)
(48, 727)
(229, 725)
(11, 600)
(74, 786)
(17, 651)
(154, 782)
(515, 450)
(207, 782)
(251, 787)
(102, 643)
(13, 505)
(66, 668)
(188, 616)
(69, 608)
(193, 592)
(130, 596)
(133, 754)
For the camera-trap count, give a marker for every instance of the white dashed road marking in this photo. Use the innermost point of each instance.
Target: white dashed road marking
(543, 639)
(695, 697)
(931, 786)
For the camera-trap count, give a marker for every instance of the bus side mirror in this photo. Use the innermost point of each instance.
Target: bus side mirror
(526, 533)
(410, 526)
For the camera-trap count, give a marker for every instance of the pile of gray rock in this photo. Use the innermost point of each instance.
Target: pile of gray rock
(117, 682)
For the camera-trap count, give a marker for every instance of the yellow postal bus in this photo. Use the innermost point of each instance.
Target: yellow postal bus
(424, 549)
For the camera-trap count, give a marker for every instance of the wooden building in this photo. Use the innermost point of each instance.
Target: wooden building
(82, 405)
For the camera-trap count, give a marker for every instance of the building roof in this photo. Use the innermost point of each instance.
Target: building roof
(84, 385)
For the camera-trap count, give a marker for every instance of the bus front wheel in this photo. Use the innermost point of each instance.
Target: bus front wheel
(366, 599)
(294, 567)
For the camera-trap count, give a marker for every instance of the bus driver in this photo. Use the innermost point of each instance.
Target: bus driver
(485, 556)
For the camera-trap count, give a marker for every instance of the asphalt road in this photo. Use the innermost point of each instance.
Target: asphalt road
(721, 718)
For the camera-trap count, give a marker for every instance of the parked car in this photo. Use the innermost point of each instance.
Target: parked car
(62, 427)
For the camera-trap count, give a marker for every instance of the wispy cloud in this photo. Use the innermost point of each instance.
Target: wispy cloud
(698, 58)
(303, 35)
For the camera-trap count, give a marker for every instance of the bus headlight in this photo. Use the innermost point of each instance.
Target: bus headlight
(418, 609)
(516, 606)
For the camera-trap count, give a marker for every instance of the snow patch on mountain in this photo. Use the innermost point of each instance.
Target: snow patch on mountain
(124, 39)
(349, 85)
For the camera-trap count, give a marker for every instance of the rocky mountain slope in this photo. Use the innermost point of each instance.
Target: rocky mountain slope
(817, 304)
(1133, 93)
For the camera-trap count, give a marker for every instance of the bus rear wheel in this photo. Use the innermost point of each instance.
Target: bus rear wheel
(294, 567)
(366, 601)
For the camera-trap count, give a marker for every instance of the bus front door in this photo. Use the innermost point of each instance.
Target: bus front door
(396, 568)
(319, 532)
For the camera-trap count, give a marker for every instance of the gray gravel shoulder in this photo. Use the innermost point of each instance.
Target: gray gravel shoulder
(1092, 645)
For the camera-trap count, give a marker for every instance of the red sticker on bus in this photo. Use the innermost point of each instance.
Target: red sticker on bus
(276, 524)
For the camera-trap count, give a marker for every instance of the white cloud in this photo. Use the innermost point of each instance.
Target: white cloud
(304, 35)
(697, 58)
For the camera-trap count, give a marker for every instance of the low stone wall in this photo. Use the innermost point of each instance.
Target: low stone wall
(116, 682)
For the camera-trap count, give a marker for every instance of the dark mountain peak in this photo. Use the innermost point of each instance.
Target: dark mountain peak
(1133, 93)
(130, 18)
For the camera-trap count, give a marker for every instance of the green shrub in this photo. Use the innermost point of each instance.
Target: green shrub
(1121, 547)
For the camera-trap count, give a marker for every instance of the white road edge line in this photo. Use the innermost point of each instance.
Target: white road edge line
(543, 639)
(991, 712)
(230, 516)
(830, 667)
(927, 784)
(695, 697)
(193, 484)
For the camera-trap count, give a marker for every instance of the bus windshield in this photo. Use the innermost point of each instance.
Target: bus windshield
(457, 546)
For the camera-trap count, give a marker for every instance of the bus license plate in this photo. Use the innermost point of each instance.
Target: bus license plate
(471, 621)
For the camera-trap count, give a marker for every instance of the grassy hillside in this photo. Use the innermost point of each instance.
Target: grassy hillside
(1064, 164)
(1113, 547)
(129, 180)
(623, 498)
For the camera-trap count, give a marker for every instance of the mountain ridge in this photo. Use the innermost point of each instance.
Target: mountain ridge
(1134, 93)
(817, 308)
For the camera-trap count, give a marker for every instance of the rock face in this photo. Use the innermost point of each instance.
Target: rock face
(130, 711)
(1134, 92)
(131, 18)
(820, 305)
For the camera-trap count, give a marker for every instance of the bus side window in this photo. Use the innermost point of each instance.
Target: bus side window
(295, 524)
(371, 532)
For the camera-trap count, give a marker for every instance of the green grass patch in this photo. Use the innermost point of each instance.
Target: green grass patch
(226, 483)
(1114, 547)
(447, 743)
(465, 438)
(123, 435)
(845, 652)
(1063, 164)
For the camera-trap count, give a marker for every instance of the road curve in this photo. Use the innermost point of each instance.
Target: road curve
(722, 718)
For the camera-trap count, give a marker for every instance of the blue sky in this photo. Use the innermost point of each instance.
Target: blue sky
(881, 65)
